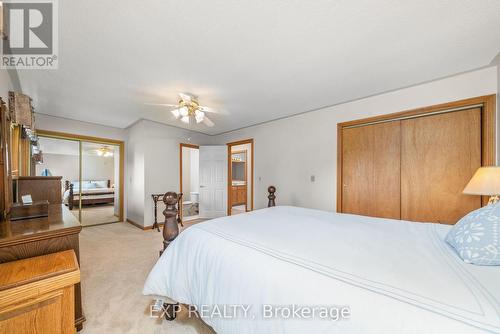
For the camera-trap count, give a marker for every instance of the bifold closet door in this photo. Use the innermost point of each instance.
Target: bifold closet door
(440, 153)
(371, 170)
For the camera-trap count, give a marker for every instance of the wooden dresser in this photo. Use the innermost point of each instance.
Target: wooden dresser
(37, 294)
(40, 188)
(40, 236)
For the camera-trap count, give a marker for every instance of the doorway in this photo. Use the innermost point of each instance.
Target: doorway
(189, 181)
(92, 174)
(240, 176)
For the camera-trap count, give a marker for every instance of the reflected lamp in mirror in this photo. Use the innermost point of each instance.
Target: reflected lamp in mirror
(485, 182)
(46, 172)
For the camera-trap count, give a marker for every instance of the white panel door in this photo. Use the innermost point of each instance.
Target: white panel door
(213, 181)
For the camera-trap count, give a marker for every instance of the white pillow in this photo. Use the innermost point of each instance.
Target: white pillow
(87, 185)
(101, 184)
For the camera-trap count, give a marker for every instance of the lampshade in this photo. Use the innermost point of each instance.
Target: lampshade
(486, 181)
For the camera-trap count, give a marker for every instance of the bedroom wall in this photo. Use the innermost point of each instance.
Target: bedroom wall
(134, 180)
(52, 123)
(98, 168)
(289, 151)
(154, 148)
(95, 167)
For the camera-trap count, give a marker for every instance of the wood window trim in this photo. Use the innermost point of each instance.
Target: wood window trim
(82, 138)
(181, 145)
(229, 174)
(488, 130)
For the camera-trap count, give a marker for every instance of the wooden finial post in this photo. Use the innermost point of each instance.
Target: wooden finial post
(156, 197)
(71, 202)
(170, 228)
(271, 197)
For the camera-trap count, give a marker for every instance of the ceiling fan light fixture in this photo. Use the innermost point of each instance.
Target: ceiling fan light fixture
(105, 151)
(189, 111)
(176, 113)
(199, 116)
(184, 112)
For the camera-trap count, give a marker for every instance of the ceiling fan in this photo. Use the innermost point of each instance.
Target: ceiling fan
(104, 151)
(188, 110)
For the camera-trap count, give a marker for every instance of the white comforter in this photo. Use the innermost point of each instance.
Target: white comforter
(395, 276)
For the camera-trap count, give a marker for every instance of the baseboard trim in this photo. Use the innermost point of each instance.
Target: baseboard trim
(130, 221)
(144, 228)
(150, 227)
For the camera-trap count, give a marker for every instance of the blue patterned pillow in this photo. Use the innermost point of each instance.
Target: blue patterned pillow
(476, 236)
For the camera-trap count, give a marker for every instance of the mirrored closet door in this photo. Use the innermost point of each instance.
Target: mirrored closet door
(91, 175)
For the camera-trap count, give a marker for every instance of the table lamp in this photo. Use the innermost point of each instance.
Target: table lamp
(486, 181)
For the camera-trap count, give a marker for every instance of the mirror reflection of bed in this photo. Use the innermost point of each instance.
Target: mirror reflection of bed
(93, 167)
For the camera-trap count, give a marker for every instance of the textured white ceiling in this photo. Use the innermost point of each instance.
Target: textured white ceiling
(254, 60)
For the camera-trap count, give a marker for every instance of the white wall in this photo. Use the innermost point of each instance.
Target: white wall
(134, 176)
(52, 123)
(289, 151)
(153, 163)
(67, 166)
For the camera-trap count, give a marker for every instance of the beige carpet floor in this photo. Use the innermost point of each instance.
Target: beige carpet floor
(96, 214)
(115, 260)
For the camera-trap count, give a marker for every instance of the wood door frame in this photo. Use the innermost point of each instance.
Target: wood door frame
(229, 174)
(488, 130)
(99, 140)
(181, 145)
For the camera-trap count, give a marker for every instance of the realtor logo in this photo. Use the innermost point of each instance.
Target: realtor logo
(30, 28)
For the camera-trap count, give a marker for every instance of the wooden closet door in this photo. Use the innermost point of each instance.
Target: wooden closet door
(440, 154)
(371, 170)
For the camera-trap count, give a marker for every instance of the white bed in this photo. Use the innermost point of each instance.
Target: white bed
(395, 276)
(92, 193)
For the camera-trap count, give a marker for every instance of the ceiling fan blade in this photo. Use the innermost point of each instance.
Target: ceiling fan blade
(162, 104)
(207, 109)
(176, 112)
(185, 97)
(208, 122)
